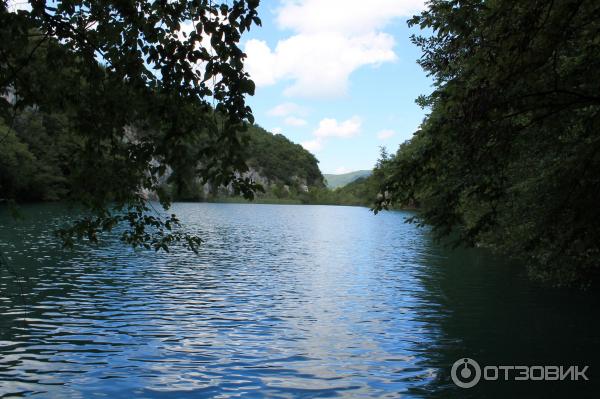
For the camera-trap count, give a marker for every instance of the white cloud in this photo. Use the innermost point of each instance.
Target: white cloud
(315, 145)
(259, 62)
(294, 121)
(341, 170)
(277, 130)
(332, 39)
(286, 109)
(330, 127)
(350, 16)
(319, 64)
(385, 134)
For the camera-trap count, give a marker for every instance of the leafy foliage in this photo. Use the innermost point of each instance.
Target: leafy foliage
(132, 83)
(509, 154)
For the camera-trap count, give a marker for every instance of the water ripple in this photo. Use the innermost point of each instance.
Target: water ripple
(283, 301)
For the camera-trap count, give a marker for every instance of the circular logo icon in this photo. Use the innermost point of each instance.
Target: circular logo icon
(465, 373)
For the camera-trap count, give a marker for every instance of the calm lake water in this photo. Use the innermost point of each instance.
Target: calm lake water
(283, 301)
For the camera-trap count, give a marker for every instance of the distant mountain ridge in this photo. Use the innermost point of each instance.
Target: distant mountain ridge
(335, 181)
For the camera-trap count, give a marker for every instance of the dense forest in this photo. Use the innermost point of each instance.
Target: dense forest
(34, 157)
(509, 155)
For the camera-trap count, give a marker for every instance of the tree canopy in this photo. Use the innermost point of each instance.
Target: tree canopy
(132, 82)
(281, 160)
(509, 154)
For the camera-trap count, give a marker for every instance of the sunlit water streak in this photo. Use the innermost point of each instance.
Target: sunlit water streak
(282, 301)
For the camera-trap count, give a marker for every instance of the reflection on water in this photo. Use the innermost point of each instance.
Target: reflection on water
(283, 301)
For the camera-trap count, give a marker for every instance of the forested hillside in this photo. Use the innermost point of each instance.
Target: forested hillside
(36, 151)
(281, 161)
(334, 181)
(284, 170)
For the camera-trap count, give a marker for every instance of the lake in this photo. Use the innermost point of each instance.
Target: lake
(283, 301)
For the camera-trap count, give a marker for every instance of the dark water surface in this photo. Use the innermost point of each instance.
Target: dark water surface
(283, 301)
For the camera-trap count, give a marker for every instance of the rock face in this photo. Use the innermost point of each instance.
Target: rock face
(255, 175)
(298, 184)
(208, 190)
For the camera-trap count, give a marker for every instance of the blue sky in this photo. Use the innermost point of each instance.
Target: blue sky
(338, 76)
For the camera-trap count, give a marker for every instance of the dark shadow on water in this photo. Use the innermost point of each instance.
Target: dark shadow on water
(496, 315)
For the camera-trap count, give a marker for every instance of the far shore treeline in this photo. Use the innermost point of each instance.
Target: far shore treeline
(36, 159)
(508, 156)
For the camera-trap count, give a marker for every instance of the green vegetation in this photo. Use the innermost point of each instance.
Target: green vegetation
(82, 106)
(509, 156)
(361, 192)
(281, 161)
(34, 157)
(284, 170)
(37, 151)
(287, 173)
(103, 105)
(109, 97)
(336, 181)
